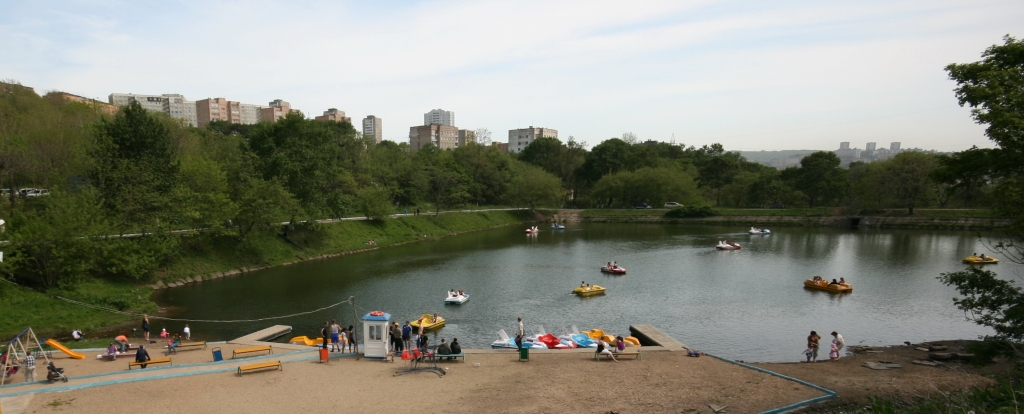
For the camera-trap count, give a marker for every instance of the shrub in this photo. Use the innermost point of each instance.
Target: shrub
(691, 211)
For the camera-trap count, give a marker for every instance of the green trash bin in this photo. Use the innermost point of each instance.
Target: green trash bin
(524, 354)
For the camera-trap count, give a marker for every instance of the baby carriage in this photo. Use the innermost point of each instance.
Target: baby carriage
(53, 373)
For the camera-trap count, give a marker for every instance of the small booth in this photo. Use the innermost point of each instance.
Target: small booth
(376, 339)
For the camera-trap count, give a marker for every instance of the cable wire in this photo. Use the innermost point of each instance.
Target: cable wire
(106, 309)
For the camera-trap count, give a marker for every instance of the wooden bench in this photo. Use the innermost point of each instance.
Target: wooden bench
(176, 348)
(635, 354)
(150, 362)
(456, 356)
(235, 353)
(253, 367)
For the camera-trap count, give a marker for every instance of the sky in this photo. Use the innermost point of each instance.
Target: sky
(750, 75)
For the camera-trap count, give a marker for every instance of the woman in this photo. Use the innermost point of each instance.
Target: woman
(812, 344)
(620, 344)
(145, 326)
(602, 348)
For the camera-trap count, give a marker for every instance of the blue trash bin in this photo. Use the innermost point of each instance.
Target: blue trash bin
(217, 356)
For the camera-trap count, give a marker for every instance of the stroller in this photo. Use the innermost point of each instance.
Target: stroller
(53, 373)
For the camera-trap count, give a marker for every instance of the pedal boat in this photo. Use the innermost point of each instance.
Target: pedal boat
(427, 324)
(828, 287)
(591, 290)
(980, 260)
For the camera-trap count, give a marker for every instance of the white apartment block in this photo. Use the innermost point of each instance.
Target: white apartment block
(171, 104)
(372, 128)
(440, 117)
(518, 139)
(250, 113)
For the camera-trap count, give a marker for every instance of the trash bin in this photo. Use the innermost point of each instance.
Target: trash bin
(324, 356)
(217, 356)
(524, 354)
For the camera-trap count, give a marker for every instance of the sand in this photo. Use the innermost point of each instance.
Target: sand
(552, 381)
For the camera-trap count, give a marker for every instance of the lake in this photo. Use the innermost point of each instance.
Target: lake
(747, 304)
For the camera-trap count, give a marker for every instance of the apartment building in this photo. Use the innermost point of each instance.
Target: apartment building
(372, 128)
(518, 139)
(218, 109)
(335, 115)
(466, 136)
(440, 117)
(171, 104)
(442, 136)
(277, 110)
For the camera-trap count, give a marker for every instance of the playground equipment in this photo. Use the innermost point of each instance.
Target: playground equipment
(60, 347)
(20, 347)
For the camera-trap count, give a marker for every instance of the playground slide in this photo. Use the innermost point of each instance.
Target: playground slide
(60, 347)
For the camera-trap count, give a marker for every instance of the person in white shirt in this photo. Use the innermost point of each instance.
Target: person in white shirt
(519, 329)
(838, 340)
(187, 332)
(77, 334)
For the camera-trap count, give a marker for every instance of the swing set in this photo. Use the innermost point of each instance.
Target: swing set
(17, 349)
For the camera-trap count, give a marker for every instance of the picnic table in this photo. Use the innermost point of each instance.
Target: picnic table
(422, 362)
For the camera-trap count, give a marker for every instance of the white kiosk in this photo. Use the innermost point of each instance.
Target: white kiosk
(376, 335)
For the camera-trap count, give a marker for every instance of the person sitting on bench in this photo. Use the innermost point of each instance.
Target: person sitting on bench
(444, 348)
(456, 348)
(141, 355)
(602, 348)
(620, 344)
(172, 348)
(112, 351)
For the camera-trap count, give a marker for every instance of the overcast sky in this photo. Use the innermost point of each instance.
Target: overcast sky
(752, 75)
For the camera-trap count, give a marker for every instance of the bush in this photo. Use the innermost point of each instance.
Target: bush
(691, 211)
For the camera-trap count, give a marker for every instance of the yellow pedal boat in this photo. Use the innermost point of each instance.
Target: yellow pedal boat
(305, 340)
(588, 290)
(828, 287)
(610, 339)
(980, 260)
(427, 324)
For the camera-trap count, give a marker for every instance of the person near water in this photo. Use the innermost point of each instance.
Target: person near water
(122, 343)
(838, 340)
(519, 341)
(163, 332)
(396, 337)
(145, 327)
(444, 348)
(620, 344)
(812, 344)
(353, 345)
(456, 348)
(325, 333)
(602, 348)
(142, 355)
(833, 354)
(519, 327)
(407, 335)
(187, 332)
(335, 337)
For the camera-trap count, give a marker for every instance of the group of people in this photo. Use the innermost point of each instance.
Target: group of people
(28, 363)
(453, 293)
(819, 281)
(604, 348)
(401, 338)
(339, 336)
(613, 265)
(812, 346)
(371, 243)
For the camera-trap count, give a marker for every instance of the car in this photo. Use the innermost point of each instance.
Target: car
(641, 205)
(672, 204)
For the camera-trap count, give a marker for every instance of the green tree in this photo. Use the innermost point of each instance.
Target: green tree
(965, 174)
(375, 203)
(906, 178)
(819, 178)
(532, 186)
(135, 168)
(992, 302)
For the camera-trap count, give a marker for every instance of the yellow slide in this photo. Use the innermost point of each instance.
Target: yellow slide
(60, 347)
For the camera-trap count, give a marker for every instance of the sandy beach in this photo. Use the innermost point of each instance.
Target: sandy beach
(552, 381)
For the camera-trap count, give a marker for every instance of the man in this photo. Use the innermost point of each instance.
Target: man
(396, 337)
(838, 340)
(422, 343)
(812, 344)
(30, 368)
(335, 336)
(444, 349)
(122, 342)
(519, 327)
(325, 333)
(407, 335)
(142, 355)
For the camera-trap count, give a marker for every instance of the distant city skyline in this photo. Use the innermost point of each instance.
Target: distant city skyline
(751, 76)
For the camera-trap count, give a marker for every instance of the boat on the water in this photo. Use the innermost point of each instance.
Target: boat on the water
(980, 260)
(616, 269)
(822, 284)
(557, 226)
(532, 230)
(755, 230)
(429, 322)
(589, 290)
(728, 245)
(456, 299)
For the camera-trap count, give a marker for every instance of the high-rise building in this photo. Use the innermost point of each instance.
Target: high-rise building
(171, 104)
(844, 145)
(372, 128)
(335, 115)
(277, 110)
(518, 139)
(217, 109)
(466, 136)
(442, 136)
(250, 113)
(894, 147)
(870, 146)
(439, 116)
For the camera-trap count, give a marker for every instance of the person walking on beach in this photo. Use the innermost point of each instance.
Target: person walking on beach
(837, 339)
(325, 333)
(145, 327)
(407, 335)
(519, 327)
(335, 337)
(812, 344)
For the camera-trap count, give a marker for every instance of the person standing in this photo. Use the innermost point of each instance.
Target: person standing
(353, 345)
(838, 340)
(325, 333)
(122, 342)
(812, 344)
(407, 335)
(187, 332)
(335, 336)
(396, 337)
(519, 327)
(30, 368)
(145, 327)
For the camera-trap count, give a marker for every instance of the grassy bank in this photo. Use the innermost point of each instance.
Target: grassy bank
(47, 316)
(802, 212)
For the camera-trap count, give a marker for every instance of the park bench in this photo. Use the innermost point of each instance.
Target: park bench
(253, 367)
(190, 345)
(150, 362)
(456, 356)
(235, 353)
(635, 354)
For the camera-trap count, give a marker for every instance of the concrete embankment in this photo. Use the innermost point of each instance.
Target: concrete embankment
(868, 221)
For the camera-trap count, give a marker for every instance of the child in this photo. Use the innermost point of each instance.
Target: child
(808, 353)
(188, 332)
(163, 332)
(833, 355)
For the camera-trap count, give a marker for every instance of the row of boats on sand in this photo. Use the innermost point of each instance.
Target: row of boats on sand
(568, 339)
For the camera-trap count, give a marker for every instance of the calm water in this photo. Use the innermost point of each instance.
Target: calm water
(747, 304)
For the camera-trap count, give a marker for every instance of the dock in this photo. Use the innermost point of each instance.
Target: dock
(651, 336)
